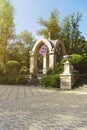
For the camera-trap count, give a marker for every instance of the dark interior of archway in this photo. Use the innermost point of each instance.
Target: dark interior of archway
(58, 53)
(40, 64)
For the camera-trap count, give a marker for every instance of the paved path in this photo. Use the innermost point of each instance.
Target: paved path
(33, 108)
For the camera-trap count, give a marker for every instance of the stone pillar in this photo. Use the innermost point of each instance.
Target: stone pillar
(45, 63)
(66, 78)
(33, 63)
(51, 60)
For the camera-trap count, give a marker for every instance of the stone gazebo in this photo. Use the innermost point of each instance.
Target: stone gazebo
(50, 50)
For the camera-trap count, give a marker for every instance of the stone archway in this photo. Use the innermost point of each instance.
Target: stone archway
(53, 47)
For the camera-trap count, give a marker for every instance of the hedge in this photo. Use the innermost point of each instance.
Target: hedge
(50, 81)
(13, 80)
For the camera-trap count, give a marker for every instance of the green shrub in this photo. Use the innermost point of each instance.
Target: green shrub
(24, 70)
(55, 81)
(44, 81)
(12, 67)
(50, 81)
(21, 80)
(49, 71)
(2, 69)
(3, 80)
(13, 80)
(58, 68)
(78, 63)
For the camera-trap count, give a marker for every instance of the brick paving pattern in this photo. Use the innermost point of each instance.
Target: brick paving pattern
(34, 108)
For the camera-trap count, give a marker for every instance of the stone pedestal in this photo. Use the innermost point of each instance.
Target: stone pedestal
(66, 79)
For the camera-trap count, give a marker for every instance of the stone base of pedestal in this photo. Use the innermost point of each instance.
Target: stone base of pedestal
(66, 81)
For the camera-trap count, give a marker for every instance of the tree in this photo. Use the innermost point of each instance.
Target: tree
(71, 35)
(6, 26)
(51, 28)
(25, 41)
(14, 52)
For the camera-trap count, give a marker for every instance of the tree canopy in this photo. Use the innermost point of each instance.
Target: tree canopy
(51, 27)
(6, 26)
(68, 31)
(71, 35)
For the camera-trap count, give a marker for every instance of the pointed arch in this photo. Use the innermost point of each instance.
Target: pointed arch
(38, 43)
(59, 42)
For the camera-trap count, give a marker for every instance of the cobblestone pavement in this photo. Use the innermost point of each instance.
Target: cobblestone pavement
(34, 108)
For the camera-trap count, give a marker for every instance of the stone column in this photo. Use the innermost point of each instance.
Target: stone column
(45, 63)
(51, 60)
(33, 63)
(66, 78)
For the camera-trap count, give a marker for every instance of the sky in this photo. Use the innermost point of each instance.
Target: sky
(27, 13)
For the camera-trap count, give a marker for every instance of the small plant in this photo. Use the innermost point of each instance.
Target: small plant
(24, 70)
(49, 71)
(50, 81)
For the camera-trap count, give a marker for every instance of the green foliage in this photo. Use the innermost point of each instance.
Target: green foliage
(76, 59)
(13, 80)
(51, 26)
(45, 81)
(3, 80)
(26, 38)
(6, 20)
(14, 53)
(50, 81)
(21, 80)
(71, 36)
(6, 27)
(2, 69)
(24, 44)
(78, 62)
(59, 68)
(24, 70)
(49, 71)
(55, 81)
(68, 32)
(12, 67)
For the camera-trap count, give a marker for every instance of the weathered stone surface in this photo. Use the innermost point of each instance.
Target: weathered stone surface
(66, 78)
(66, 81)
(33, 108)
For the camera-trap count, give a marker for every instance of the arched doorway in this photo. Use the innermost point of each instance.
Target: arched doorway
(47, 51)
